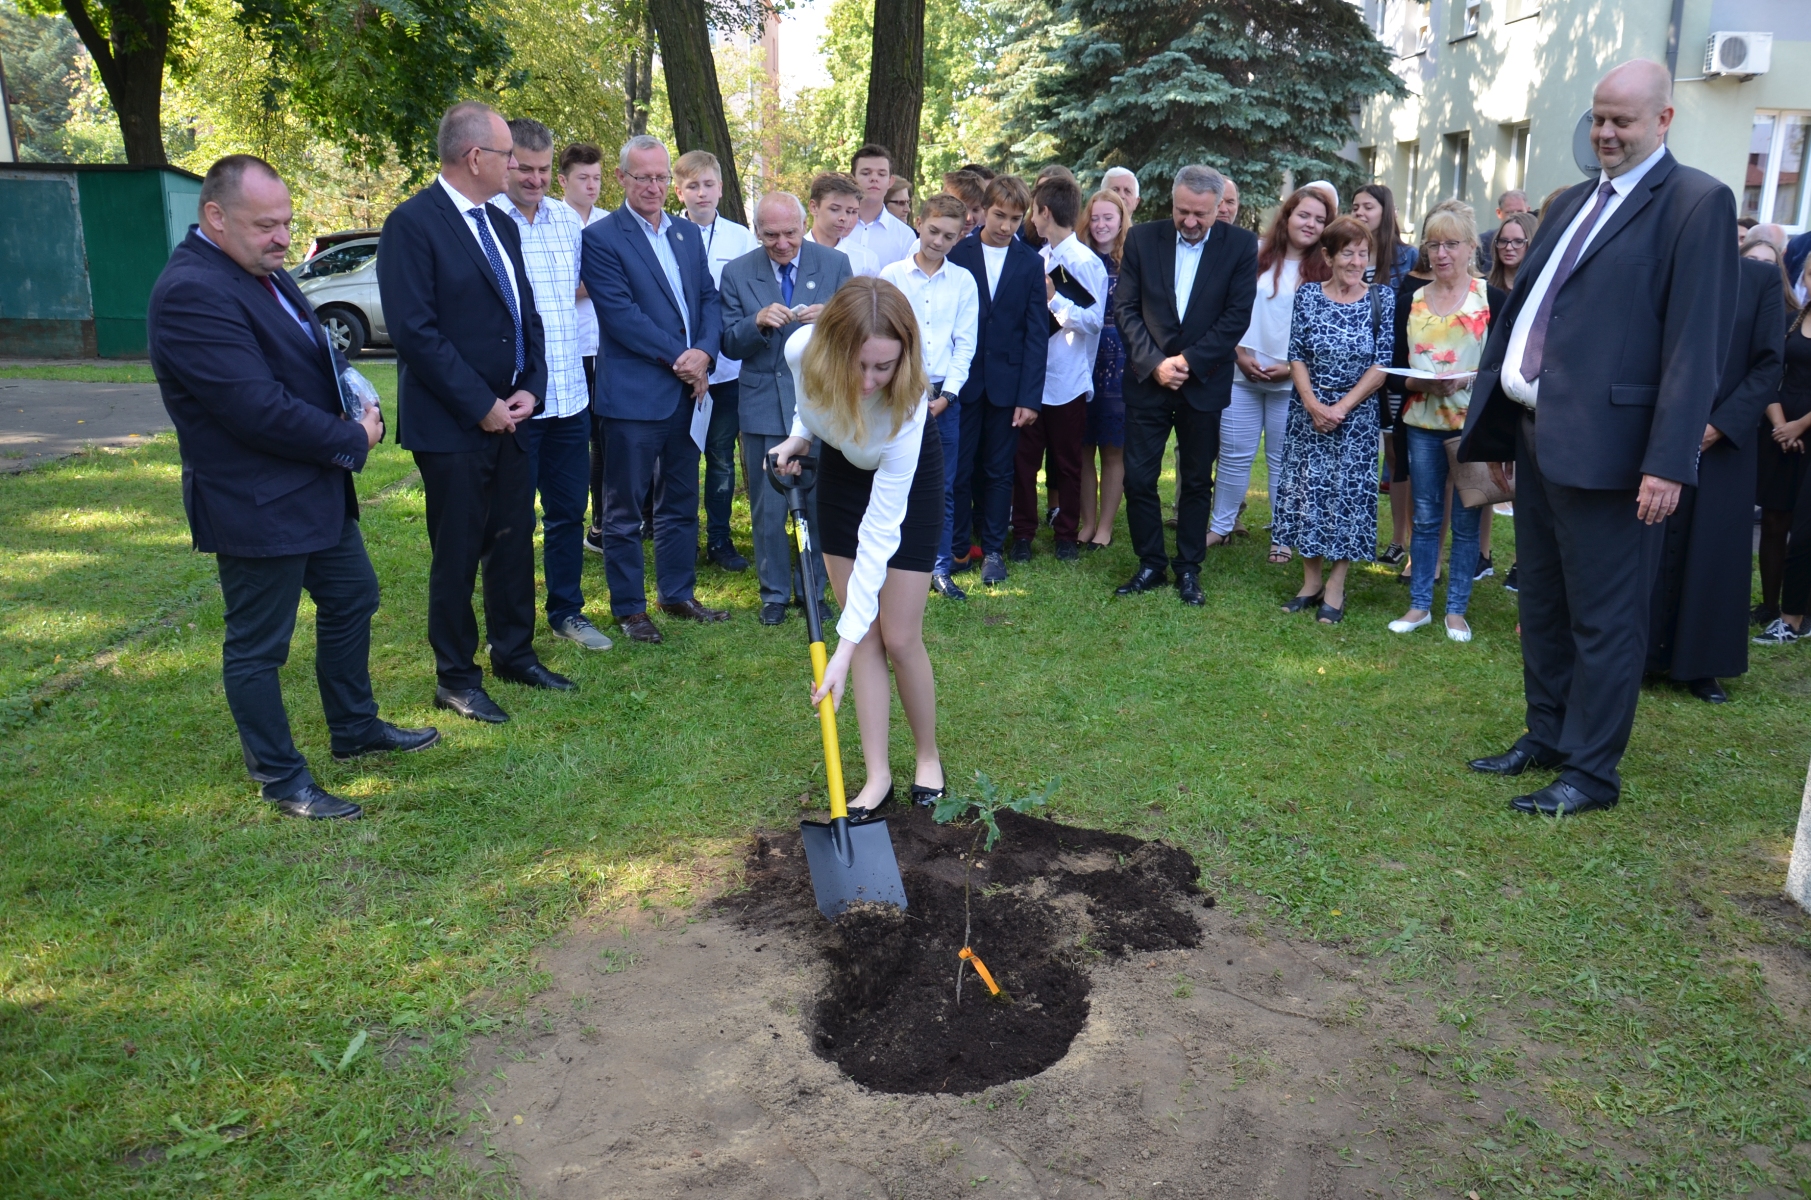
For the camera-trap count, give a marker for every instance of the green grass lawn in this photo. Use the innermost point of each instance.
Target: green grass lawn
(84, 373)
(200, 999)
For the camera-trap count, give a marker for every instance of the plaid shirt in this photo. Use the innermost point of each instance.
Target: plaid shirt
(550, 249)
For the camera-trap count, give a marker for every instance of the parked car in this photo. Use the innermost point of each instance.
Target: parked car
(327, 241)
(341, 283)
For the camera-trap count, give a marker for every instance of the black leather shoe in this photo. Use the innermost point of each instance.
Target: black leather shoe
(1513, 761)
(536, 676)
(474, 704)
(993, 570)
(863, 814)
(1143, 580)
(1188, 586)
(317, 804)
(1558, 799)
(1021, 549)
(926, 797)
(724, 555)
(773, 614)
(1709, 691)
(946, 587)
(1067, 551)
(391, 739)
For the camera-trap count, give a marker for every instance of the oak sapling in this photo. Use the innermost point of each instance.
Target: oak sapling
(986, 813)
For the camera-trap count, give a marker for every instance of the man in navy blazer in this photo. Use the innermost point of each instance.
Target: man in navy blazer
(1005, 388)
(1598, 380)
(252, 385)
(659, 325)
(470, 368)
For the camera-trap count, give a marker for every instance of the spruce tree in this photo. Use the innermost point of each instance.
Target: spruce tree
(1253, 87)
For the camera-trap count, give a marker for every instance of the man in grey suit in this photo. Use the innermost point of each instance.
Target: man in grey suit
(767, 294)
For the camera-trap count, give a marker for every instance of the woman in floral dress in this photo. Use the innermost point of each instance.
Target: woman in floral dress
(1340, 338)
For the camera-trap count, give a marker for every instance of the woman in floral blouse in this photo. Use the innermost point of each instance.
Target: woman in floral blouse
(1441, 325)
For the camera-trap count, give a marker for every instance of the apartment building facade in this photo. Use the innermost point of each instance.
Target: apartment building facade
(1498, 88)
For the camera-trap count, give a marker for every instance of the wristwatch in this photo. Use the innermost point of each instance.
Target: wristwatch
(948, 396)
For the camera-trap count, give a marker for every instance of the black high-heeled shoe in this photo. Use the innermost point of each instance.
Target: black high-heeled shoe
(863, 814)
(925, 797)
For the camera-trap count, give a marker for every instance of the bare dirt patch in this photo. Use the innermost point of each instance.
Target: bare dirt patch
(685, 1056)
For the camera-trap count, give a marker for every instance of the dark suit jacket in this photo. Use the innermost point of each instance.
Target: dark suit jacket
(448, 317)
(1219, 312)
(1012, 341)
(1636, 341)
(267, 454)
(640, 331)
(1757, 356)
(766, 403)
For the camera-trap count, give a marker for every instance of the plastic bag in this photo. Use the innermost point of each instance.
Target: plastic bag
(356, 393)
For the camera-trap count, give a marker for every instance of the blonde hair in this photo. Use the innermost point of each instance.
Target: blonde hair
(694, 163)
(863, 308)
(1452, 221)
(1125, 220)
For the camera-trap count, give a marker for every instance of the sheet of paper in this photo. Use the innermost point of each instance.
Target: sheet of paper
(1418, 373)
(701, 420)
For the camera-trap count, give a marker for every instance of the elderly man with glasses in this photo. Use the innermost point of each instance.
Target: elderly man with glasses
(659, 327)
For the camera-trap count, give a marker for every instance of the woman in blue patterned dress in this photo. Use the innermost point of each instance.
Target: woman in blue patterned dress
(1340, 338)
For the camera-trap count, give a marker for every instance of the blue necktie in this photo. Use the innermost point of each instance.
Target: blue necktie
(509, 294)
(786, 282)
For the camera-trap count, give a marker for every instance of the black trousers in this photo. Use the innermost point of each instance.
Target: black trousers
(1586, 564)
(261, 599)
(1795, 586)
(1148, 429)
(983, 473)
(480, 514)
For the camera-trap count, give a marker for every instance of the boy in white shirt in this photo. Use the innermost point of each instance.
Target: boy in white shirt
(884, 234)
(835, 204)
(949, 311)
(1075, 283)
(698, 176)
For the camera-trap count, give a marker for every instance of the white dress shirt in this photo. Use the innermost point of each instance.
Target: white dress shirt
(861, 259)
(466, 206)
(994, 259)
(587, 312)
(1069, 369)
(949, 317)
(886, 236)
(657, 236)
(1188, 265)
(550, 251)
(724, 242)
(1525, 391)
(1267, 337)
(893, 457)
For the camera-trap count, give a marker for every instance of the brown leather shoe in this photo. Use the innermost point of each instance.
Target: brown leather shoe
(691, 610)
(637, 628)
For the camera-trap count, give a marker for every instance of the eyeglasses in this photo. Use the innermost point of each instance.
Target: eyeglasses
(1518, 243)
(1449, 247)
(645, 180)
(505, 152)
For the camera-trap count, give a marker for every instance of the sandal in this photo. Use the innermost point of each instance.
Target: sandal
(1301, 602)
(1328, 615)
(1280, 554)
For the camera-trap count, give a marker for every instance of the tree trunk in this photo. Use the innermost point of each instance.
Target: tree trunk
(896, 81)
(130, 60)
(640, 89)
(698, 121)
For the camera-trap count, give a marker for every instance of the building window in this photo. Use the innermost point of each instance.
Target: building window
(1465, 18)
(1367, 162)
(1774, 189)
(1518, 157)
(1408, 154)
(1515, 10)
(1458, 165)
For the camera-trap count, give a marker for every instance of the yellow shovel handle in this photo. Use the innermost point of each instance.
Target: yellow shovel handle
(826, 719)
(980, 969)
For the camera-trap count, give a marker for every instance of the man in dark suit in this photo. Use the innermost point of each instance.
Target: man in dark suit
(1698, 628)
(1005, 388)
(1184, 299)
(268, 453)
(760, 290)
(1597, 380)
(471, 367)
(659, 327)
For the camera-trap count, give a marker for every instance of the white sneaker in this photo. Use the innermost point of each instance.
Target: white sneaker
(1778, 634)
(1404, 626)
(1458, 635)
(582, 631)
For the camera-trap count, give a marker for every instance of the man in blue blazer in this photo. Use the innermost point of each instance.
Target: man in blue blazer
(252, 385)
(760, 291)
(1005, 387)
(471, 367)
(659, 325)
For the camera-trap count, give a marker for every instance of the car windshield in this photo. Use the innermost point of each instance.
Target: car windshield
(338, 260)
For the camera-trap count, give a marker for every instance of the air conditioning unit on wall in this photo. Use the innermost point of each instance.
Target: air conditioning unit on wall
(1742, 54)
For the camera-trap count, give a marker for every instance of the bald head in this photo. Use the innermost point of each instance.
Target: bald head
(1631, 110)
(780, 224)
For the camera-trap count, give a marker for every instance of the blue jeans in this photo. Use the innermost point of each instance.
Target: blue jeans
(720, 460)
(949, 428)
(559, 464)
(1427, 469)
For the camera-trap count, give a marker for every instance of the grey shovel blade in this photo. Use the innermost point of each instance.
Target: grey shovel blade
(851, 861)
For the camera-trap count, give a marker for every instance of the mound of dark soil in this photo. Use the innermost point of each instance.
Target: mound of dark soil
(1046, 901)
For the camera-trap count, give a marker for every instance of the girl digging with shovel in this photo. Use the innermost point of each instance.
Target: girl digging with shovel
(858, 376)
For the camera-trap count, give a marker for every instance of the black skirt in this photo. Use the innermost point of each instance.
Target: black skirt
(842, 500)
